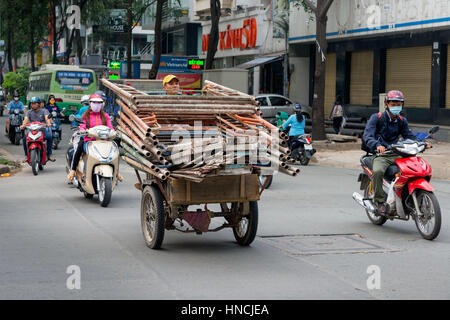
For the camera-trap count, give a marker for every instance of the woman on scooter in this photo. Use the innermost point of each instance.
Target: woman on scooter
(94, 116)
(52, 106)
(297, 123)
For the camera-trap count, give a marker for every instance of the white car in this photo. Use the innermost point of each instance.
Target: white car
(271, 104)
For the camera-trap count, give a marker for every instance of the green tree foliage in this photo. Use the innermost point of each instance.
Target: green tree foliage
(17, 81)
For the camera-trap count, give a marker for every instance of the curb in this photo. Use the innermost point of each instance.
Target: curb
(5, 169)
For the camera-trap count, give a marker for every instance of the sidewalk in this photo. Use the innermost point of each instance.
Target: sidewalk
(11, 158)
(347, 155)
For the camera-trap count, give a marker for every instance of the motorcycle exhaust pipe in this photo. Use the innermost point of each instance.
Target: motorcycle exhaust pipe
(366, 204)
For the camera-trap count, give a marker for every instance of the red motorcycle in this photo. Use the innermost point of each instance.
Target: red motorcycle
(407, 188)
(36, 146)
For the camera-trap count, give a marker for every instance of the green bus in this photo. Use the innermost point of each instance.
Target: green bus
(67, 83)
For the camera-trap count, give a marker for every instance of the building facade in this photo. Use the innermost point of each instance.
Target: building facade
(248, 39)
(374, 47)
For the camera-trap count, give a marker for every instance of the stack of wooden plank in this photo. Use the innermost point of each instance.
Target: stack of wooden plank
(193, 136)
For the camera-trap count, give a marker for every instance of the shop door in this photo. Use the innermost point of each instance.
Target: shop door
(361, 78)
(409, 70)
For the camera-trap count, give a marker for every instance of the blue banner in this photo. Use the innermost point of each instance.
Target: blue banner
(171, 64)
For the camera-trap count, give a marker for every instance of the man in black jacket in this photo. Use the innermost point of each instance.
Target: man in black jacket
(383, 130)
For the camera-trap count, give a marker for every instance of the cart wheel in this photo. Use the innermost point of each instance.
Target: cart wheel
(245, 230)
(152, 217)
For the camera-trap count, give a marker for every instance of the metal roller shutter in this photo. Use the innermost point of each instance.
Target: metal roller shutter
(409, 70)
(447, 93)
(361, 78)
(330, 83)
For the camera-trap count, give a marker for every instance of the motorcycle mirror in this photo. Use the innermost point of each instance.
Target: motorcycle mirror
(434, 130)
(71, 118)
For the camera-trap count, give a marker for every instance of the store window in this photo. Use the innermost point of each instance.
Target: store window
(176, 42)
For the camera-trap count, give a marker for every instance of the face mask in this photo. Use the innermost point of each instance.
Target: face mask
(96, 106)
(16, 99)
(395, 110)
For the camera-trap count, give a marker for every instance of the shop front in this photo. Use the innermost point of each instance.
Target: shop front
(406, 52)
(246, 41)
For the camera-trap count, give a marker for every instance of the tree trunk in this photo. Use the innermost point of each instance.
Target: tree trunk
(31, 32)
(53, 23)
(130, 38)
(79, 46)
(318, 124)
(13, 51)
(69, 46)
(214, 34)
(9, 49)
(158, 40)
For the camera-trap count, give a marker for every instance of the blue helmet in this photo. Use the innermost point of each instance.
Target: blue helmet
(297, 108)
(100, 92)
(35, 99)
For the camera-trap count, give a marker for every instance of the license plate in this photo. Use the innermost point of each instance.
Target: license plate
(308, 147)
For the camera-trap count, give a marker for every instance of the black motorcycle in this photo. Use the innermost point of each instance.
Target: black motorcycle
(15, 121)
(301, 148)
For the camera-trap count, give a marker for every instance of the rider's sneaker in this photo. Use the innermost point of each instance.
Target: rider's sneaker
(51, 158)
(381, 209)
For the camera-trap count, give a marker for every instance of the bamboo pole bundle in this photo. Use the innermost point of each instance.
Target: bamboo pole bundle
(136, 155)
(138, 166)
(219, 108)
(139, 123)
(127, 131)
(148, 123)
(190, 111)
(133, 144)
(215, 86)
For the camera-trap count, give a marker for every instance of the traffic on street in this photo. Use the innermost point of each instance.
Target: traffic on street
(224, 156)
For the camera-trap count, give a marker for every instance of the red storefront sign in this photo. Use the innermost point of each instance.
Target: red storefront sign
(235, 38)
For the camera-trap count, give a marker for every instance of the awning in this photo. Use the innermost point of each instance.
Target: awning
(258, 62)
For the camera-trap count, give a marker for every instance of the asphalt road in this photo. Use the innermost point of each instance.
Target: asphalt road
(47, 226)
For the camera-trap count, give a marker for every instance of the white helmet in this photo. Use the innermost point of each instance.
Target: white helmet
(85, 99)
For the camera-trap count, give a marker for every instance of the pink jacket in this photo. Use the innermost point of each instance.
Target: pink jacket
(96, 120)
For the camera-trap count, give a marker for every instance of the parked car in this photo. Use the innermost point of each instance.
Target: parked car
(271, 104)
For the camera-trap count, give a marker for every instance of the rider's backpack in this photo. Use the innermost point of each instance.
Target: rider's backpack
(364, 146)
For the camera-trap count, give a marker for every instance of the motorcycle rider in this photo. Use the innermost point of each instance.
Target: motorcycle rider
(53, 107)
(85, 106)
(36, 114)
(14, 104)
(297, 123)
(94, 116)
(383, 130)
